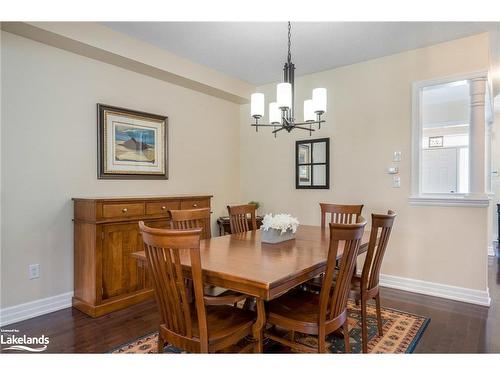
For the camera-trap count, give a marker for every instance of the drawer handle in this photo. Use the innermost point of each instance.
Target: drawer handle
(163, 207)
(125, 210)
(195, 205)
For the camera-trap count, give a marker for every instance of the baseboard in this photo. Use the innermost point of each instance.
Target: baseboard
(475, 296)
(32, 309)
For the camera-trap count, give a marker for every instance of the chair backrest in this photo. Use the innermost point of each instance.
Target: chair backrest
(190, 219)
(238, 218)
(333, 304)
(379, 237)
(340, 213)
(163, 249)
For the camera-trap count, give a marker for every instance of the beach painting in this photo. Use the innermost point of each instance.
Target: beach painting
(134, 144)
(131, 144)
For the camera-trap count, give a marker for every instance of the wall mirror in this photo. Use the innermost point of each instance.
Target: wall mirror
(312, 164)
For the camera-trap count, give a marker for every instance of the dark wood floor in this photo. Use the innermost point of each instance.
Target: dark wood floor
(455, 327)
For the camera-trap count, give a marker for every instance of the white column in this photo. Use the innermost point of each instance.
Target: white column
(477, 136)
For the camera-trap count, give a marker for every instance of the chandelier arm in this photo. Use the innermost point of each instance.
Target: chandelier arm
(302, 128)
(278, 130)
(259, 125)
(310, 122)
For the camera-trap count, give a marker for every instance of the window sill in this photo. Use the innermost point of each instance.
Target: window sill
(458, 201)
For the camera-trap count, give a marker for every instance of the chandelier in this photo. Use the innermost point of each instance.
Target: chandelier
(281, 112)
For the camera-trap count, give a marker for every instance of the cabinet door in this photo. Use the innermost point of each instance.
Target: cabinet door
(120, 271)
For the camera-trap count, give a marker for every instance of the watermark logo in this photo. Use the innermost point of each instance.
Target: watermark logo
(17, 342)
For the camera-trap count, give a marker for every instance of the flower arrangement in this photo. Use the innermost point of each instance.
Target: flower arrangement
(280, 222)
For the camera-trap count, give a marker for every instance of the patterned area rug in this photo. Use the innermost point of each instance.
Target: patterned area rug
(402, 332)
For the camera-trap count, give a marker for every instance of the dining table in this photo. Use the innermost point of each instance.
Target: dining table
(242, 263)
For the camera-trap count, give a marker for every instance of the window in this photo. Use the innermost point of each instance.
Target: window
(443, 149)
(312, 166)
(445, 138)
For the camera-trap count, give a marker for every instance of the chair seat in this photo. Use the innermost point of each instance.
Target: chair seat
(223, 321)
(296, 307)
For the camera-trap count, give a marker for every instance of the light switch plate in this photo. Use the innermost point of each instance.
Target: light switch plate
(396, 182)
(396, 156)
(34, 271)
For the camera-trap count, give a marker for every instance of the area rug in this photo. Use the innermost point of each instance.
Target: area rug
(402, 332)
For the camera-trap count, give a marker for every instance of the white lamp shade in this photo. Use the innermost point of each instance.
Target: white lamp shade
(309, 114)
(284, 94)
(257, 105)
(319, 100)
(274, 113)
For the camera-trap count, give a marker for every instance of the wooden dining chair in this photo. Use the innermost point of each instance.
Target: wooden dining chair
(239, 218)
(340, 213)
(366, 286)
(200, 218)
(194, 327)
(321, 314)
(190, 219)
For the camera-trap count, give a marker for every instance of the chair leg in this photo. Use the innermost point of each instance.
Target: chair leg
(364, 326)
(345, 330)
(161, 344)
(379, 315)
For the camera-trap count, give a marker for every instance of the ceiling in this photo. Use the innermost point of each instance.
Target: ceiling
(255, 51)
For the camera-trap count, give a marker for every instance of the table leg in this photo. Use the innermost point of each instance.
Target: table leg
(258, 327)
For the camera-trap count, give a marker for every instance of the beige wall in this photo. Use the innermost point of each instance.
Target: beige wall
(48, 155)
(369, 117)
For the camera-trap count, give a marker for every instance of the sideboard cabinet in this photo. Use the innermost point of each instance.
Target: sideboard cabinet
(106, 277)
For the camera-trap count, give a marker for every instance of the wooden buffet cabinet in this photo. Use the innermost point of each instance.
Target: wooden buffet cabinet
(106, 277)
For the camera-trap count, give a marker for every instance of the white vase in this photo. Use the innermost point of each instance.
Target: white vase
(275, 236)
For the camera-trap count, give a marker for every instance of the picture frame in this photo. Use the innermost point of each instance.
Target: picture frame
(131, 145)
(312, 164)
(435, 142)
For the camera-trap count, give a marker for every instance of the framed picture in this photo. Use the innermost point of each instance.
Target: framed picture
(435, 141)
(312, 164)
(131, 144)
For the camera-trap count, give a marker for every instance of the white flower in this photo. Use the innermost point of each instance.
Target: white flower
(282, 222)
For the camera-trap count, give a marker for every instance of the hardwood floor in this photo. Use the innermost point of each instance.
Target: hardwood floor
(455, 327)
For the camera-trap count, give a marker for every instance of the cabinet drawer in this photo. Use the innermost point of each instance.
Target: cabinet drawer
(195, 203)
(155, 208)
(122, 210)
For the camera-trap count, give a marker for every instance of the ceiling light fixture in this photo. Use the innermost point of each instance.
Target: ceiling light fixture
(281, 112)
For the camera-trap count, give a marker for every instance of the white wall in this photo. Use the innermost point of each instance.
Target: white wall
(369, 117)
(48, 155)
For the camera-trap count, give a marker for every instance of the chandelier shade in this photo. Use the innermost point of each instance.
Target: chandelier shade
(282, 111)
(319, 100)
(309, 114)
(257, 105)
(274, 113)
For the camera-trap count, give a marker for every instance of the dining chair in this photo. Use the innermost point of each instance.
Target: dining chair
(239, 218)
(340, 213)
(200, 218)
(193, 218)
(191, 326)
(366, 286)
(326, 312)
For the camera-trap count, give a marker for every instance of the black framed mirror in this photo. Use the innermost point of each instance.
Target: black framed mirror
(312, 164)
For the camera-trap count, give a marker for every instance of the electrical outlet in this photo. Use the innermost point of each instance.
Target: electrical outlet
(396, 182)
(396, 156)
(34, 271)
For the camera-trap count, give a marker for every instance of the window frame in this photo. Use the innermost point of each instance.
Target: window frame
(417, 197)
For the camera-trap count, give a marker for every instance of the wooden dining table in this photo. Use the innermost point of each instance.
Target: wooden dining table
(241, 262)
